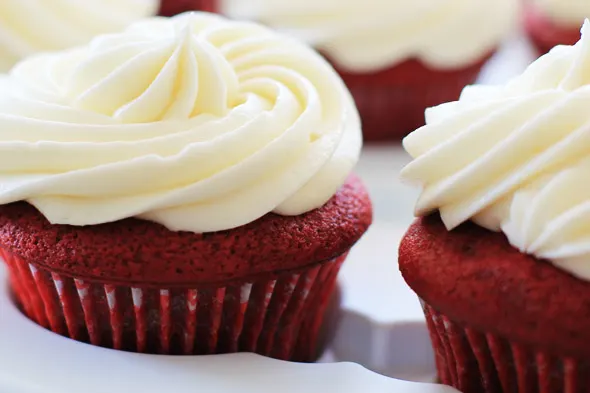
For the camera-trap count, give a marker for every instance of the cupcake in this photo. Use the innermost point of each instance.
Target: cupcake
(500, 255)
(397, 57)
(175, 7)
(555, 22)
(183, 187)
(28, 27)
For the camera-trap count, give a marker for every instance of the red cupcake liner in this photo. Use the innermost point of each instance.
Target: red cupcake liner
(175, 7)
(545, 33)
(392, 102)
(480, 362)
(278, 316)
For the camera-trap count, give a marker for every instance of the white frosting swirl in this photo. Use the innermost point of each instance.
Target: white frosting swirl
(369, 35)
(30, 26)
(567, 12)
(195, 122)
(515, 158)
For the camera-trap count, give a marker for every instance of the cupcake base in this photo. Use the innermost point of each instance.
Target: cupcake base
(392, 102)
(278, 316)
(473, 361)
(546, 34)
(175, 7)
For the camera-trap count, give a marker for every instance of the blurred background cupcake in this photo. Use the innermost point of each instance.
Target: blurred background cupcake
(182, 187)
(175, 7)
(397, 57)
(501, 254)
(555, 22)
(27, 27)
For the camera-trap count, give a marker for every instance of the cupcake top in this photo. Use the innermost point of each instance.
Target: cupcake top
(30, 26)
(371, 35)
(195, 122)
(515, 158)
(566, 12)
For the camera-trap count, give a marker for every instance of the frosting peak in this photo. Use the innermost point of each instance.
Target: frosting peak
(195, 122)
(514, 158)
(29, 26)
(175, 75)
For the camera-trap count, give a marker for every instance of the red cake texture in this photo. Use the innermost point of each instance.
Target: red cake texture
(175, 7)
(500, 320)
(545, 33)
(134, 285)
(392, 102)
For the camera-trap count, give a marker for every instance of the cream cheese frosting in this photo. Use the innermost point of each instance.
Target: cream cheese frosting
(370, 35)
(515, 158)
(195, 122)
(30, 26)
(567, 12)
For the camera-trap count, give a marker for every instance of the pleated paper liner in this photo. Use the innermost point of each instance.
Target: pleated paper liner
(174, 7)
(278, 316)
(478, 362)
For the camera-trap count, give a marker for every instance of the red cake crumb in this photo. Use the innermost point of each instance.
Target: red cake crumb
(136, 251)
(477, 279)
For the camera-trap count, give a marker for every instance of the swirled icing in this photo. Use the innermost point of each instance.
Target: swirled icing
(515, 158)
(195, 122)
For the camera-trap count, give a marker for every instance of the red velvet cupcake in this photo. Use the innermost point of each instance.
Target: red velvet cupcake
(175, 7)
(391, 102)
(499, 320)
(137, 286)
(182, 187)
(503, 268)
(550, 23)
(397, 57)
